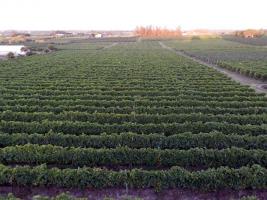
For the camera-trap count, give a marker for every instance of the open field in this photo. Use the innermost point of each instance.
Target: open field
(258, 41)
(133, 116)
(244, 59)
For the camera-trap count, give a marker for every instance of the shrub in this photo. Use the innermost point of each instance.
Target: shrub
(29, 53)
(195, 38)
(46, 50)
(10, 55)
(249, 198)
(51, 48)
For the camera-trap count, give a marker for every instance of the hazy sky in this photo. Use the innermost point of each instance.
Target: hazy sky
(127, 14)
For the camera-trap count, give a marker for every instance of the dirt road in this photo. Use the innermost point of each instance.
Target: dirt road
(111, 45)
(257, 85)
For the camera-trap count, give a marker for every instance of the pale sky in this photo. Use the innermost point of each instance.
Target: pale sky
(127, 14)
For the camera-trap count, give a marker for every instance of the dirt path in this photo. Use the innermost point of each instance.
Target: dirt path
(257, 85)
(120, 193)
(111, 45)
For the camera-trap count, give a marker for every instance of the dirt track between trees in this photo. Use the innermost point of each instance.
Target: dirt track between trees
(257, 85)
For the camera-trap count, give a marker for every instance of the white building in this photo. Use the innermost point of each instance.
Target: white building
(98, 35)
(59, 35)
(18, 50)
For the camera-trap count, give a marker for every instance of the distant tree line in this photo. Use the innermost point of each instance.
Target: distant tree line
(150, 31)
(249, 33)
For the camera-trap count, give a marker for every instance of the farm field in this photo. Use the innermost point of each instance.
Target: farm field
(258, 41)
(243, 58)
(133, 116)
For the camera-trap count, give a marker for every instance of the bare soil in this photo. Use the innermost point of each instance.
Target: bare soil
(257, 85)
(146, 194)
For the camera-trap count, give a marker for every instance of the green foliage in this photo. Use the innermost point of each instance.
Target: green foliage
(9, 197)
(62, 196)
(51, 47)
(249, 198)
(78, 128)
(210, 179)
(111, 118)
(215, 140)
(195, 38)
(124, 156)
(245, 59)
(132, 105)
(10, 55)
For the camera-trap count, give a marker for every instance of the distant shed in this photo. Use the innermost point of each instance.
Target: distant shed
(98, 35)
